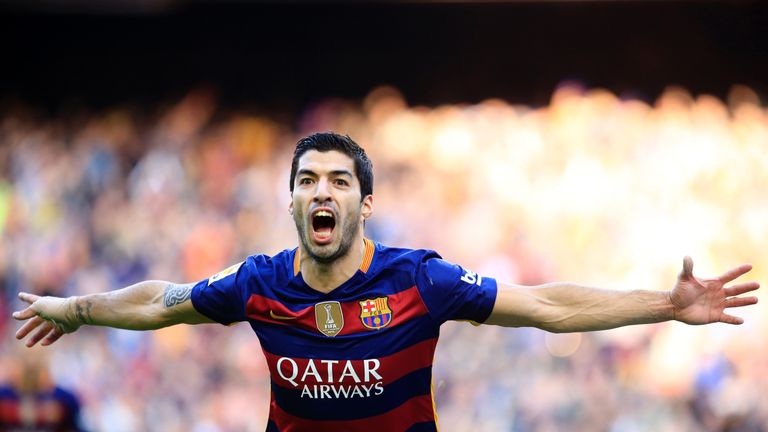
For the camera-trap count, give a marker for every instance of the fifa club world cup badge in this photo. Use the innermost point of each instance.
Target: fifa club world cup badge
(375, 313)
(329, 318)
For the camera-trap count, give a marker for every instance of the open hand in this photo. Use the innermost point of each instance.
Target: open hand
(704, 301)
(49, 315)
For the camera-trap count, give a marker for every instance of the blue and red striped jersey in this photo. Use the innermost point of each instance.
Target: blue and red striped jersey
(358, 358)
(42, 410)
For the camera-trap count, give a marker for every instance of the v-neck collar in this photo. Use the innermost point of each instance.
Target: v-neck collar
(359, 276)
(370, 250)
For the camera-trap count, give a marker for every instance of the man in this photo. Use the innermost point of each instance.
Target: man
(349, 326)
(31, 401)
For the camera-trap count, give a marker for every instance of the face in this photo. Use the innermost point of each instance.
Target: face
(327, 206)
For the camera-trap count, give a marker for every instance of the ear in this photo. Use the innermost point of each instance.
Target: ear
(290, 207)
(367, 207)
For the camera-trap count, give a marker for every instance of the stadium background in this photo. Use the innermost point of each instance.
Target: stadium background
(590, 141)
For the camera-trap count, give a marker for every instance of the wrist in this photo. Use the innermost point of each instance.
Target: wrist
(71, 319)
(672, 313)
(70, 311)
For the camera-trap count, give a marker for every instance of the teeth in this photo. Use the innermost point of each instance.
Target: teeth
(324, 213)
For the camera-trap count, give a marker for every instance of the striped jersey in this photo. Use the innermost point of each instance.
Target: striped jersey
(42, 410)
(358, 358)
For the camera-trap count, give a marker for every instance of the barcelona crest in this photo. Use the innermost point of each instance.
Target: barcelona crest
(375, 313)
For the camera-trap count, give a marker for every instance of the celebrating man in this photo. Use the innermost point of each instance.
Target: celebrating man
(349, 326)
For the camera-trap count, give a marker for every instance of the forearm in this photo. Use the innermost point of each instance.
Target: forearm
(143, 306)
(146, 305)
(566, 307)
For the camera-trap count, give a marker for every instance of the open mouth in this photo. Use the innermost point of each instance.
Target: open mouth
(323, 223)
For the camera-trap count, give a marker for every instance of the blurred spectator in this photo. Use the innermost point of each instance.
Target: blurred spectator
(29, 399)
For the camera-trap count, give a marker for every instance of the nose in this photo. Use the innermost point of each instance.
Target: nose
(322, 191)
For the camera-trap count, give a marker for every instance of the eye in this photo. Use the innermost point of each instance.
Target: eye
(305, 180)
(341, 182)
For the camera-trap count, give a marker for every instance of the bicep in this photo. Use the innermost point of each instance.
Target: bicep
(177, 305)
(516, 306)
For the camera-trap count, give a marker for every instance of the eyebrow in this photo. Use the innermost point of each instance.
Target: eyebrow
(334, 173)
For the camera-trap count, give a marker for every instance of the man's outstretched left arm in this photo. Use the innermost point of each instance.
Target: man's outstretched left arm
(565, 307)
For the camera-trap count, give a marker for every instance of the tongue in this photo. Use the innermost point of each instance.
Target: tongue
(323, 233)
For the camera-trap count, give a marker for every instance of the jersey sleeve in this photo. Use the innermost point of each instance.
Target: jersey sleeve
(452, 292)
(222, 297)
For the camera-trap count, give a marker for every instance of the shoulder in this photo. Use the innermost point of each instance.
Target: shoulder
(259, 266)
(280, 265)
(65, 395)
(397, 258)
(7, 392)
(282, 258)
(426, 265)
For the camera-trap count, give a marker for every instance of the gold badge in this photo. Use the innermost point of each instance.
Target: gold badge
(329, 318)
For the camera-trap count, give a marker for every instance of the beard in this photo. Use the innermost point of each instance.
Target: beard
(326, 254)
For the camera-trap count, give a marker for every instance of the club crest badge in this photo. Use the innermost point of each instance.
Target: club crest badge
(329, 318)
(375, 313)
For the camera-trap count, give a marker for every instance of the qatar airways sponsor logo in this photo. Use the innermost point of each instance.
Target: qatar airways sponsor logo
(332, 379)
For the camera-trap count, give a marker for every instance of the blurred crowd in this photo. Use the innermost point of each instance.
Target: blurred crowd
(593, 188)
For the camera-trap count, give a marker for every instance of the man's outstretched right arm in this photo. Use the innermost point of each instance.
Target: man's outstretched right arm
(146, 305)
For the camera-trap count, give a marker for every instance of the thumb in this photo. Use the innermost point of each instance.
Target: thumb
(24, 314)
(687, 271)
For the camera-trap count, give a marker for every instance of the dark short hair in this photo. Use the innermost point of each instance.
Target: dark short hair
(328, 141)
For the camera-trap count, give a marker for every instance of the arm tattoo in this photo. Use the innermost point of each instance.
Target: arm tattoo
(176, 294)
(84, 312)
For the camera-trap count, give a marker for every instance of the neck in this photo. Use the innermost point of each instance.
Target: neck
(325, 277)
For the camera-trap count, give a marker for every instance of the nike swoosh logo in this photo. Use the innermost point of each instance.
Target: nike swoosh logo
(273, 315)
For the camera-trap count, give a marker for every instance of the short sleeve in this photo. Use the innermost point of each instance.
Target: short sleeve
(222, 297)
(452, 292)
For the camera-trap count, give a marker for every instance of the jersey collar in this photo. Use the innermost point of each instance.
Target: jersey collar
(370, 250)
